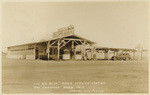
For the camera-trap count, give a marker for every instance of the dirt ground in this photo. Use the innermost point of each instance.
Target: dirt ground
(99, 76)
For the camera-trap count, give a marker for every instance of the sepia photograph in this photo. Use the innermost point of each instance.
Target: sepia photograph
(74, 47)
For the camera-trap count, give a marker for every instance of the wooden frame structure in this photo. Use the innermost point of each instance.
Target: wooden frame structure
(63, 39)
(62, 42)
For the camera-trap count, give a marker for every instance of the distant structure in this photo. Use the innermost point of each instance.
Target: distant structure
(65, 44)
(139, 49)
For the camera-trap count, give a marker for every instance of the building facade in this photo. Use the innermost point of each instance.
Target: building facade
(64, 45)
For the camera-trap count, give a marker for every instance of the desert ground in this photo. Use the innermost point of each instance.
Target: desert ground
(96, 76)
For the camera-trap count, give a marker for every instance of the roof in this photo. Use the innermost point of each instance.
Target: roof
(107, 48)
(74, 35)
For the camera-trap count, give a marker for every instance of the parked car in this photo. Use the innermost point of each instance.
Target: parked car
(121, 56)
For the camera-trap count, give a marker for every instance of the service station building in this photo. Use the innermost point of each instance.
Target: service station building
(64, 45)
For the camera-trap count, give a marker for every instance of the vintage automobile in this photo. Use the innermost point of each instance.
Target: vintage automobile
(121, 56)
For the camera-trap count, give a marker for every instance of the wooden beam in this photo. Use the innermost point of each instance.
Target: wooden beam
(76, 42)
(53, 46)
(72, 39)
(87, 43)
(65, 44)
(52, 43)
(81, 42)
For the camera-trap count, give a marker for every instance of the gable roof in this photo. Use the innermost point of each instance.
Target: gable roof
(73, 35)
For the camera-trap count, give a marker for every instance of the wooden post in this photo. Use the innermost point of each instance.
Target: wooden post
(72, 44)
(84, 51)
(105, 53)
(34, 51)
(114, 52)
(72, 55)
(92, 52)
(58, 48)
(48, 50)
(108, 54)
(48, 55)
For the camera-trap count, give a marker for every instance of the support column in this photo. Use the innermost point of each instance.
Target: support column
(114, 53)
(34, 51)
(58, 48)
(72, 50)
(108, 54)
(85, 57)
(92, 52)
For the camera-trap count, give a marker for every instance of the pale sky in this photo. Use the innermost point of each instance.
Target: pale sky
(110, 24)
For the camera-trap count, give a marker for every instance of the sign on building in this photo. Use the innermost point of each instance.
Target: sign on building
(62, 32)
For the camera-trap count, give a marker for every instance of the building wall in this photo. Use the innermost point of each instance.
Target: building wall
(100, 54)
(41, 50)
(21, 54)
(111, 54)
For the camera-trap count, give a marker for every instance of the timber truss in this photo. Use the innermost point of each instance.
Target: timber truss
(61, 42)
